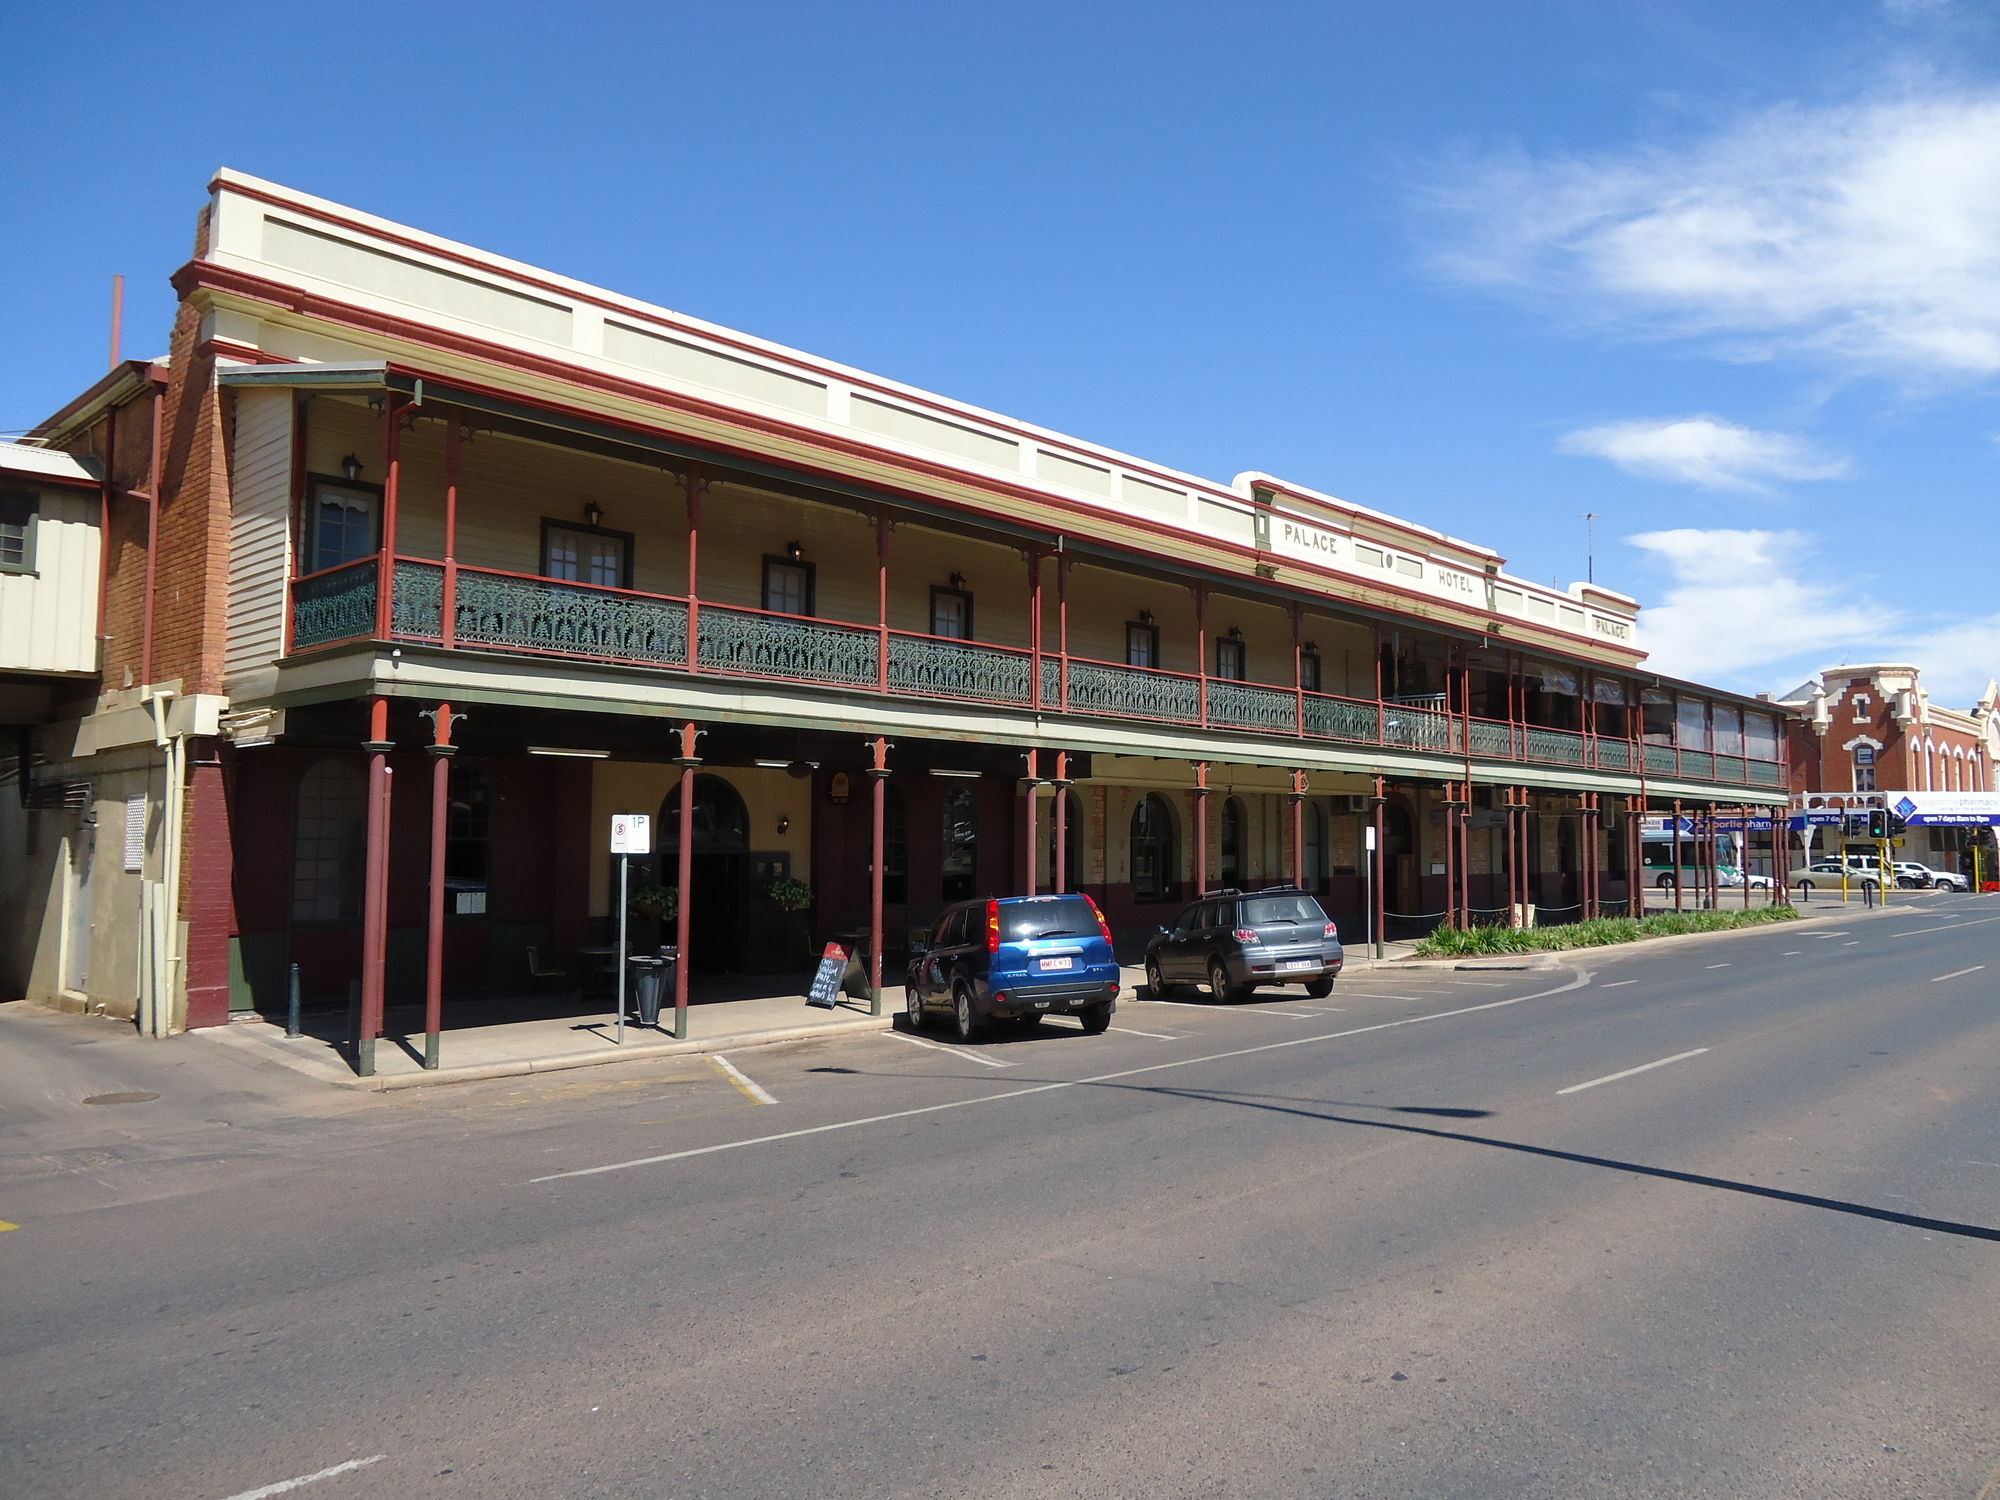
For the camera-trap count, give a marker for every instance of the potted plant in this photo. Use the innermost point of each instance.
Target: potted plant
(660, 902)
(793, 897)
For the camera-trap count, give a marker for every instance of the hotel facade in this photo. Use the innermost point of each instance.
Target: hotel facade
(417, 564)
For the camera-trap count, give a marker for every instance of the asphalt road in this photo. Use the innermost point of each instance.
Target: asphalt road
(1711, 1217)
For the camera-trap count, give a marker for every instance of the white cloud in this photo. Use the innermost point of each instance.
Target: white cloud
(1739, 611)
(1704, 451)
(1736, 601)
(1866, 237)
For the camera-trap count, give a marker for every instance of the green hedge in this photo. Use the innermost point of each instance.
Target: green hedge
(1452, 942)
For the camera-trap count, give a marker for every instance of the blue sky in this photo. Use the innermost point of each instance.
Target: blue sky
(1726, 274)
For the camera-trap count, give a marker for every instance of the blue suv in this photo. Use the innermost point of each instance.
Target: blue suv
(1015, 959)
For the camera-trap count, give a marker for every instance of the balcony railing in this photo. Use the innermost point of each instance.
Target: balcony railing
(487, 610)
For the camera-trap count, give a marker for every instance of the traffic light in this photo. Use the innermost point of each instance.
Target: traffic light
(1878, 824)
(1897, 825)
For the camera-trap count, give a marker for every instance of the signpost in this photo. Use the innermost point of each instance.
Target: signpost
(631, 833)
(1368, 884)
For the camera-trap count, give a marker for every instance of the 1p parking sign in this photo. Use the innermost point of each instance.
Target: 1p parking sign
(631, 833)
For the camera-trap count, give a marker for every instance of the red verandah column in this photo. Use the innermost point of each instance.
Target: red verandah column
(1298, 795)
(1029, 788)
(1200, 826)
(694, 483)
(688, 761)
(442, 750)
(385, 563)
(375, 888)
(1061, 815)
(878, 774)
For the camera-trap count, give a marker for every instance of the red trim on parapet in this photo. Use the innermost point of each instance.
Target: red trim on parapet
(695, 330)
(256, 288)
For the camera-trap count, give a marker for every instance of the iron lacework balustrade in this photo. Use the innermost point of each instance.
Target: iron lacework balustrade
(488, 610)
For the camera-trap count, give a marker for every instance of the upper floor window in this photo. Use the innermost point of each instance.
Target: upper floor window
(788, 586)
(1229, 658)
(1309, 671)
(17, 531)
(1142, 644)
(1862, 703)
(341, 523)
(1864, 768)
(951, 613)
(587, 554)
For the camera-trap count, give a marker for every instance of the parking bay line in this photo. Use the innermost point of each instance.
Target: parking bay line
(917, 1041)
(752, 1090)
(1577, 1088)
(1576, 981)
(1958, 973)
(1158, 1036)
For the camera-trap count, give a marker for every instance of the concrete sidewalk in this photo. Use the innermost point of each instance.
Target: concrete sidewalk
(556, 1043)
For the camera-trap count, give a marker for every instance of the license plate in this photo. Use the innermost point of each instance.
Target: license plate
(1301, 963)
(1047, 964)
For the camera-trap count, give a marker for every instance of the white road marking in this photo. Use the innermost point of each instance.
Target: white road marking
(1378, 995)
(757, 1093)
(1478, 984)
(1158, 1036)
(917, 1041)
(1842, 933)
(1642, 1068)
(1958, 973)
(1795, 953)
(1577, 981)
(1948, 927)
(1715, 966)
(1219, 1007)
(1324, 1010)
(304, 1479)
(1852, 943)
(1616, 982)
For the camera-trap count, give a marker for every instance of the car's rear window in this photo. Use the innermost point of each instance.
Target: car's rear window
(1049, 916)
(1268, 911)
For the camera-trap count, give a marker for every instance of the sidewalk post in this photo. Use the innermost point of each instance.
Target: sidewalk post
(1368, 886)
(631, 833)
(292, 1018)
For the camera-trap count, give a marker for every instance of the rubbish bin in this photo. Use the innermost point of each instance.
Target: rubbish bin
(649, 982)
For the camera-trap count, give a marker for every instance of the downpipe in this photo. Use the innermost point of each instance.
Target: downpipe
(156, 1011)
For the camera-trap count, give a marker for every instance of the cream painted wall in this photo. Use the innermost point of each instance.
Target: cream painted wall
(768, 795)
(48, 618)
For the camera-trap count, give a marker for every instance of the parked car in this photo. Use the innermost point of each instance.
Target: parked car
(1234, 942)
(1017, 958)
(1925, 878)
(1828, 872)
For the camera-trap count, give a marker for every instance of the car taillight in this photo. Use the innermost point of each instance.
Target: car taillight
(1331, 932)
(1245, 934)
(993, 927)
(1102, 925)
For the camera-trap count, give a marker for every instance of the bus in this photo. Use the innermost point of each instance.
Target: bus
(1667, 867)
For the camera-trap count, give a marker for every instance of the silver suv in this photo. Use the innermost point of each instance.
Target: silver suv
(1232, 942)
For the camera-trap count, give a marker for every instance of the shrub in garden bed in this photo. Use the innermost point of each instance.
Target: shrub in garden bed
(1452, 942)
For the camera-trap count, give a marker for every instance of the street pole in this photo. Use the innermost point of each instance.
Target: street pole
(624, 874)
(1368, 888)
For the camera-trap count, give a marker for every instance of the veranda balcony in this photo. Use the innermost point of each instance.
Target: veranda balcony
(487, 610)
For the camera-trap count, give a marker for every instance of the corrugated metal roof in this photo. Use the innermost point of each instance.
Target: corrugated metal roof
(46, 463)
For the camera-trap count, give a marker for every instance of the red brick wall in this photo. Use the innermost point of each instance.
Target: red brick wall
(208, 898)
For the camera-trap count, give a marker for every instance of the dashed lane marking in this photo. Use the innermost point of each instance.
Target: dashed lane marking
(1715, 966)
(755, 1092)
(958, 1052)
(1948, 927)
(1576, 981)
(1577, 1088)
(284, 1485)
(1616, 983)
(1954, 974)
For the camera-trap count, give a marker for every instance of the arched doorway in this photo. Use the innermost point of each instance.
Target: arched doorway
(1154, 859)
(1072, 847)
(1399, 867)
(718, 876)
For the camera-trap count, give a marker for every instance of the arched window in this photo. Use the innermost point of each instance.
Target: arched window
(961, 845)
(1155, 864)
(1232, 841)
(330, 843)
(1315, 846)
(895, 846)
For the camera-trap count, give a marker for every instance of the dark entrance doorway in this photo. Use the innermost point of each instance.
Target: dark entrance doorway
(1401, 902)
(719, 873)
